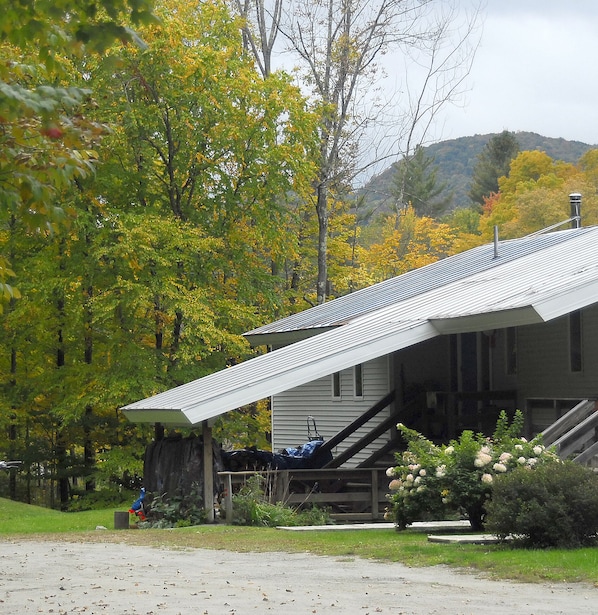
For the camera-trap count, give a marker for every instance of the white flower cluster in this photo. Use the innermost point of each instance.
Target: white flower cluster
(507, 460)
(454, 471)
(412, 481)
(483, 458)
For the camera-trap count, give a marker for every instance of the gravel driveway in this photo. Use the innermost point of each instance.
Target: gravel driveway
(118, 579)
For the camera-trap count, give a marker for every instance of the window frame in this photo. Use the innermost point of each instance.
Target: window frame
(358, 381)
(335, 386)
(575, 322)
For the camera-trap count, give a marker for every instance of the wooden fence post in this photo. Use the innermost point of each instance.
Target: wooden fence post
(228, 496)
(208, 472)
(374, 483)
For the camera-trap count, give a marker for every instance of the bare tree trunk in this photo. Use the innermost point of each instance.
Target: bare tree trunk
(260, 39)
(322, 209)
(61, 445)
(89, 452)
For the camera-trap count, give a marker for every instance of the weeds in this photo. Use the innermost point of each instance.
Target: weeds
(251, 506)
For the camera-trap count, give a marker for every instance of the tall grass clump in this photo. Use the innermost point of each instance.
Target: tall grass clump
(251, 507)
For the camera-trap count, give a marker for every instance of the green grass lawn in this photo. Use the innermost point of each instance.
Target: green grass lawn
(19, 518)
(23, 522)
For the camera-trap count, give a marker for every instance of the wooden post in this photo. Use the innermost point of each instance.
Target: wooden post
(228, 498)
(121, 520)
(282, 486)
(208, 472)
(374, 482)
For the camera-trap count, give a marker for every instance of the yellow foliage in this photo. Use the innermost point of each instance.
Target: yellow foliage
(536, 195)
(408, 243)
(588, 164)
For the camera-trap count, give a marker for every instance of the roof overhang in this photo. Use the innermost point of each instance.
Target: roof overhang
(277, 371)
(568, 298)
(487, 321)
(166, 416)
(538, 287)
(278, 339)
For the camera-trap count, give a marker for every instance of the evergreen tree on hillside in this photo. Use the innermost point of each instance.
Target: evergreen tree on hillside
(493, 162)
(415, 184)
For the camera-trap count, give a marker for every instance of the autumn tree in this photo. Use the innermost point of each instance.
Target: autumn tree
(208, 142)
(337, 47)
(168, 259)
(204, 164)
(47, 145)
(491, 164)
(588, 164)
(414, 242)
(46, 138)
(535, 195)
(50, 378)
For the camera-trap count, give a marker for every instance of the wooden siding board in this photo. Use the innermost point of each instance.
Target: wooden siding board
(291, 408)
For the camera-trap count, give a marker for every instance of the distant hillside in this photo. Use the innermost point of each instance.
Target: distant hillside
(456, 159)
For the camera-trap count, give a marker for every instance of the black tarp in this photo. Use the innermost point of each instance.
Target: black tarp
(174, 466)
(305, 456)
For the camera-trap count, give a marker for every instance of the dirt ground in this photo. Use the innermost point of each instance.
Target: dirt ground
(118, 579)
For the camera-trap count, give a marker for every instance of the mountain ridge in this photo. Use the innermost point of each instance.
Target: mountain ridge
(455, 160)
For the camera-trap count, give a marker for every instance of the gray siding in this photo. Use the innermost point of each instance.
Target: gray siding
(546, 385)
(291, 408)
(544, 370)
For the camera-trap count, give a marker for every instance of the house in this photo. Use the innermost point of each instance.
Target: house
(507, 325)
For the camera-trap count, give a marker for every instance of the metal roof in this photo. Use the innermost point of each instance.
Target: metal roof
(532, 280)
(345, 309)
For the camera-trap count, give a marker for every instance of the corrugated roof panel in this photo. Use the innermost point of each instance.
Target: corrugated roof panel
(546, 283)
(344, 309)
(507, 286)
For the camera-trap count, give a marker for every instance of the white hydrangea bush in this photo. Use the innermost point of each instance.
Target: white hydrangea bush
(440, 481)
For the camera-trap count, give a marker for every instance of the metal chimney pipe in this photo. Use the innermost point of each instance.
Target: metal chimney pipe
(495, 241)
(575, 203)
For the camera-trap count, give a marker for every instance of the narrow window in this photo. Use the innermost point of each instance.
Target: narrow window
(511, 349)
(336, 385)
(358, 380)
(575, 342)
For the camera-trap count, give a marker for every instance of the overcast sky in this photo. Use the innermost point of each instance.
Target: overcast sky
(535, 70)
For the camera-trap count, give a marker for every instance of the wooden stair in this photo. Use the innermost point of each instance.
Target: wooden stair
(575, 434)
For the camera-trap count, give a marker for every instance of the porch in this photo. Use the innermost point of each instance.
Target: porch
(359, 494)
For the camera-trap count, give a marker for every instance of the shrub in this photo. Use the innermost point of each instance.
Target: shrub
(552, 505)
(175, 511)
(109, 497)
(434, 482)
